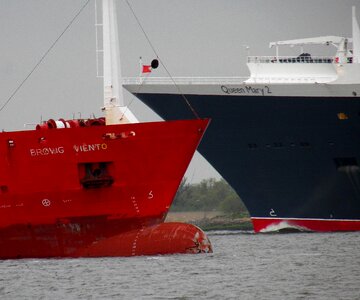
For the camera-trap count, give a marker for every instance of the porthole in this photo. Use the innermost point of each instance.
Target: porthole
(278, 144)
(252, 145)
(304, 144)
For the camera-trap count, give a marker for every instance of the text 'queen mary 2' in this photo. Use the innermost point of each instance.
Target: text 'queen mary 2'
(287, 139)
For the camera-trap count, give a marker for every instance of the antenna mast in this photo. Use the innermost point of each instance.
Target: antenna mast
(114, 106)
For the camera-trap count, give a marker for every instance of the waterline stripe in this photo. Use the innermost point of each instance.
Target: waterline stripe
(304, 219)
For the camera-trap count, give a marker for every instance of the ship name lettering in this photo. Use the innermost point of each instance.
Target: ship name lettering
(228, 90)
(47, 151)
(246, 90)
(90, 147)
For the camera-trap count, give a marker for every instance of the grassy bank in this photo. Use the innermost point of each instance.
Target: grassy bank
(212, 220)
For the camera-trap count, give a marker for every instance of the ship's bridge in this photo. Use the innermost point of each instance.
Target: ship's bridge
(292, 69)
(306, 68)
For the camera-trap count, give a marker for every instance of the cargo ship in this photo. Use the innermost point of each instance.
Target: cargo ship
(97, 187)
(286, 138)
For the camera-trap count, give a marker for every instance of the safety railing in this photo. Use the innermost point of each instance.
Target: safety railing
(184, 80)
(294, 59)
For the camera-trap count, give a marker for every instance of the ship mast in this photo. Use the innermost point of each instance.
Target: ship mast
(114, 106)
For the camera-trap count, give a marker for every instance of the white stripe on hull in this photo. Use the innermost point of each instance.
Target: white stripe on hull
(232, 89)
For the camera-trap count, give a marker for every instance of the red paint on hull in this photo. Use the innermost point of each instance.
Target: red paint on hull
(62, 190)
(161, 239)
(320, 225)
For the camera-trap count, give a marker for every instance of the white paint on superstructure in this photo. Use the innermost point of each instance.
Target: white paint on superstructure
(302, 75)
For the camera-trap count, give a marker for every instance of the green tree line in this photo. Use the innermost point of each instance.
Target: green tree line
(208, 195)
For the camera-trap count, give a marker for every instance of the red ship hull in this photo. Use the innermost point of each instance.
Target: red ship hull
(63, 191)
(320, 225)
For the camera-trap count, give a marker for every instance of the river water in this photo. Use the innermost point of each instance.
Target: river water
(243, 266)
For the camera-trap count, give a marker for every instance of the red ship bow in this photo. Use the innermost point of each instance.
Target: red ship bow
(93, 190)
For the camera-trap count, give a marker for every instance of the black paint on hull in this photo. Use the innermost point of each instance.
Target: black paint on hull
(289, 157)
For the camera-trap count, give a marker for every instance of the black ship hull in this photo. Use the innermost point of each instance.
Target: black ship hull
(294, 161)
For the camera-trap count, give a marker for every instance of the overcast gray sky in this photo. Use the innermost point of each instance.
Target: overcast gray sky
(192, 37)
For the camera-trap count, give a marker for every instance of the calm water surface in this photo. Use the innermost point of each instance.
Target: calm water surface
(243, 266)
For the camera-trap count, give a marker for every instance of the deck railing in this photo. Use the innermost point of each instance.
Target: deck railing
(184, 80)
(294, 59)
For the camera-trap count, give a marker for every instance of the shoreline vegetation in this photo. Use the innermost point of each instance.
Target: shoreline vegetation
(211, 220)
(211, 205)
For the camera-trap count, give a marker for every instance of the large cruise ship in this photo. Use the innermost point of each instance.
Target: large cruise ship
(287, 138)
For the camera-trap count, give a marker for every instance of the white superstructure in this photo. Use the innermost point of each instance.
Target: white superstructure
(343, 67)
(303, 75)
